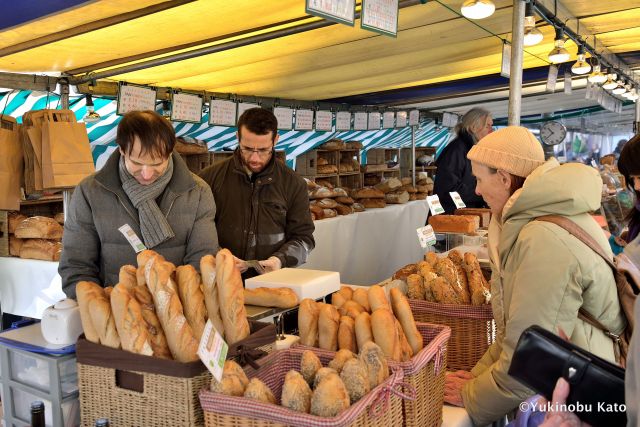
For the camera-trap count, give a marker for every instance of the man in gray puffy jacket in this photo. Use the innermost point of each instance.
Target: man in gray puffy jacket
(143, 198)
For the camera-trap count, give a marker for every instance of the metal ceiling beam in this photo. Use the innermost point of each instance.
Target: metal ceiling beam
(219, 48)
(91, 26)
(28, 81)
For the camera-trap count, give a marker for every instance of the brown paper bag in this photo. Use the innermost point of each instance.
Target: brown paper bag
(31, 137)
(66, 153)
(11, 164)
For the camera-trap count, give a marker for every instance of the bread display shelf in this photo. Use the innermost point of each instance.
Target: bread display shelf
(42, 201)
(348, 173)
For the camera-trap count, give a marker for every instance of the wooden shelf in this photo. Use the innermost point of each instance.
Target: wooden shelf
(42, 201)
(348, 173)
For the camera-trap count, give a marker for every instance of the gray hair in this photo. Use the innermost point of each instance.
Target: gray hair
(471, 119)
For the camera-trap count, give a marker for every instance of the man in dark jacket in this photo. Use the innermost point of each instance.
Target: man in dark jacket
(454, 169)
(143, 198)
(262, 205)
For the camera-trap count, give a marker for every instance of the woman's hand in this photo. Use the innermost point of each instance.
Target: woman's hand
(454, 382)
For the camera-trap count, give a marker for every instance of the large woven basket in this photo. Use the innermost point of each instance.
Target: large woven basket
(425, 373)
(472, 330)
(380, 407)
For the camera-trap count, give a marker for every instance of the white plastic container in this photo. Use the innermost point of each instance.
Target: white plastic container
(312, 284)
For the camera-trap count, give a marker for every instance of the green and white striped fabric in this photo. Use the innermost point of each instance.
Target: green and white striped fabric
(103, 133)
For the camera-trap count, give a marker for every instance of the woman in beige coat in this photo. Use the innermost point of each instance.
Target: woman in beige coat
(540, 273)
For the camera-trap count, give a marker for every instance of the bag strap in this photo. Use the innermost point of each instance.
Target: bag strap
(579, 233)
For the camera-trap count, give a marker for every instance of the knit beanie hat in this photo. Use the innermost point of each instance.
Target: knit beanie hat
(513, 149)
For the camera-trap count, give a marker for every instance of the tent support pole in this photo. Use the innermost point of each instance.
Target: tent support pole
(413, 155)
(64, 103)
(515, 79)
(636, 122)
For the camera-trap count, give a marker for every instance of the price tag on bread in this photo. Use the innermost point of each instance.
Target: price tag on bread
(426, 236)
(213, 350)
(434, 205)
(457, 200)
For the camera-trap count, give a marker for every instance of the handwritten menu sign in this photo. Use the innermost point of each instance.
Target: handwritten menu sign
(324, 121)
(414, 117)
(222, 112)
(304, 119)
(135, 98)
(401, 119)
(186, 107)
(374, 121)
(343, 120)
(284, 116)
(380, 16)
(388, 119)
(244, 106)
(360, 121)
(341, 11)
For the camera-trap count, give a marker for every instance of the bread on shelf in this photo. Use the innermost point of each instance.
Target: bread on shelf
(483, 214)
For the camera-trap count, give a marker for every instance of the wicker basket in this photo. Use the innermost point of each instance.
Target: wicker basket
(472, 329)
(380, 407)
(424, 372)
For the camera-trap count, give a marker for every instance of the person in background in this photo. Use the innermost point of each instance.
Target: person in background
(144, 191)
(541, 274)
(619, 147)
(263, 205)
(454, 169)
(629, 167)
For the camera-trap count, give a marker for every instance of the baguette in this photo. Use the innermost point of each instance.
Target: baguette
(271, 297)
(102, 319)
(192, 298)
(127, 313)
(377, 298)
(480, 293)
(405, 349)
(128, 276)
(363, 329)
(385, 333)
(211, 301)
(447, 269)
(403, 312)
(142, 258)
(347, 334)
(231, 298)
(328, 322)
(346, 292)
(156, 334)
(461, 275)
(308, 322)
(362, 297)
(84, 293)
(338, 300)
(415, 286)
(351, 309)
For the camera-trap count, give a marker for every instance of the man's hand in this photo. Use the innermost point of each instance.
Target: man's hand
(453, 385)
(240, 264)
(271, 264)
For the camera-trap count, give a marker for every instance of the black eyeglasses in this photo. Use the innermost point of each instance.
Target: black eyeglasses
(261, 152)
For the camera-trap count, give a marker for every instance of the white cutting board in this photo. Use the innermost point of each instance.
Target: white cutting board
(312, 284)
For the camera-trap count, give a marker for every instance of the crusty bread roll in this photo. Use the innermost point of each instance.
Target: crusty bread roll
(271, 297)
(355, 377)
(192, 298)
(59, 218)
(257, 390)
(127, 276)
(154, 328)
(85, 293)
(102, 318)
(45, 250)
(431, 258)
(328, 323)
(361, 296)
(39, 227)
(415, 286)
(456, 277)
(345, 200)
(377, 298)
(343, 209)
(346, 292)
(14, 218)
(329, 213)
(397, 197)
(454, 223)
(350, 308)
(14, 245)
(389, 184)
(234, 381)
(402, 310)
(363, 329)
(374, 359)
(308, 315)
(231, 298)
(385, 334)
(127, 313)
(309, 365)
(316, 210)
(296, 393)
(330, 397)
(321, 375)
(180, 337)
(367, 193)
(358, 207)
(326, 203)
(338, 300)
(340, 359)
(373, 203)
(209, 287)
(405, 271)
(347, 334)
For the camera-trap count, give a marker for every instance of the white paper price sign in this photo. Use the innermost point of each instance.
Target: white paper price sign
(434, 205)
(414, 117)
(304, 119)
(457, 200)
(426, 236)
(186, 107)
(380, 16)
(343, 120)
(388, 120)
(135, 98)
(360, 121)
(244, 106)
(374, 121)
(222, 112)
(401, 119)
(342, 11)
(324, 121)
(213, 350)
(284, 116)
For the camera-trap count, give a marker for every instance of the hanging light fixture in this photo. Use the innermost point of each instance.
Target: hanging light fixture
(611, 82)
(581, 66)
(559, 54)
(619, 89)
(91, 116)
(477, 9)
(597, 76)
(634, 95)
(627, 91)
(532, 35)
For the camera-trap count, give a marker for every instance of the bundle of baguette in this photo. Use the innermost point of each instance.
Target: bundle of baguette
(159, 310)
(36, 237)
(358, 316)
(454, 279)
(314, 389)
(328, 201)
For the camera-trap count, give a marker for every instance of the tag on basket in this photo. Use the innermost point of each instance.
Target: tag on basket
(434, 205)
(426, 236)
(457, 200)
(213, 350)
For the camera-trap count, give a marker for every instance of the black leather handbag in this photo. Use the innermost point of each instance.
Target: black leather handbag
(596, 386)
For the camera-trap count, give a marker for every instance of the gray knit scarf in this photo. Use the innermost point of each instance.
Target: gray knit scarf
(154, 226)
